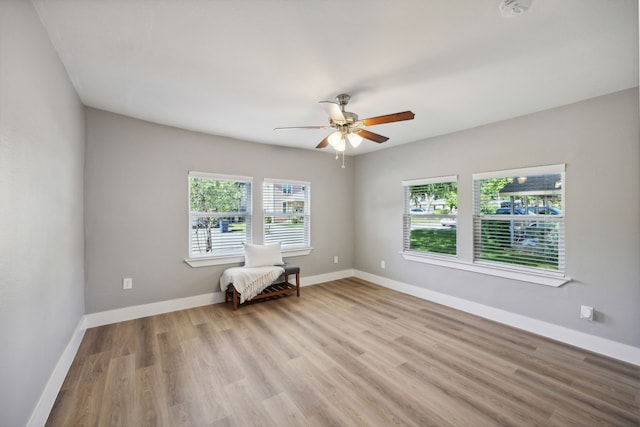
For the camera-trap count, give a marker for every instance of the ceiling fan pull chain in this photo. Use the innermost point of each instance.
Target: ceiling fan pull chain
(343, 160)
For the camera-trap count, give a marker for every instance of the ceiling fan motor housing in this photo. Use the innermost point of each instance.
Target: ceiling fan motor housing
(350, 117)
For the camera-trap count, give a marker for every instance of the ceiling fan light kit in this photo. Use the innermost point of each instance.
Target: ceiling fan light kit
(336, 140)
(347, 126)
(354, 139)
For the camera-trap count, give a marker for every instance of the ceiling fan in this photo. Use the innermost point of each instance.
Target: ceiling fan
(347, 126)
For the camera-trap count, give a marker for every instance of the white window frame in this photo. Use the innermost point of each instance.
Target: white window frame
(546, 278)
(478, 217)
(221, 255)
(278, 214)
(408, 217)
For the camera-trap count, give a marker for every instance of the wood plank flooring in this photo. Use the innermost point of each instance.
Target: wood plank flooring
(346, 353)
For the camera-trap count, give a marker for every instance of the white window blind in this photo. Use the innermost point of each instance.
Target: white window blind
(287, 213)
(519, 218)
(430, 215)
(219, 214)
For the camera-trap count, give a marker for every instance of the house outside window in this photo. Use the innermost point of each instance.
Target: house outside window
(430, 216)
(287, 213)
(518, 218)
(219, 214)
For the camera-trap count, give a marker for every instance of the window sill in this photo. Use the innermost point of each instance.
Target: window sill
(234, 259)
(548, 279)
(296, 252)
(209, 261)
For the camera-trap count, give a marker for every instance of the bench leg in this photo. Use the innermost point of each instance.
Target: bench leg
(235, 299)
(298, 284)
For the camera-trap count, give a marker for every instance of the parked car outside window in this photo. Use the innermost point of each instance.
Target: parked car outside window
(448, 222)
(507, 211)
(544, 210)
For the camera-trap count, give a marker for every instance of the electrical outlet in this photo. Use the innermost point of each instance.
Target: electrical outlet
(127, 283)
(383, 264)
(335, 259)
(586, 312)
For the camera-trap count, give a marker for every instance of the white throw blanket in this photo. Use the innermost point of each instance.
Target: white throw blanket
(249, 281)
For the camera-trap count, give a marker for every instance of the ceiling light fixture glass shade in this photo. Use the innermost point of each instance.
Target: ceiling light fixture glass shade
(354, 139)
(334, 138)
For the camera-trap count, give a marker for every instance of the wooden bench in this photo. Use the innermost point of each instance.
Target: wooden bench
(278, 287)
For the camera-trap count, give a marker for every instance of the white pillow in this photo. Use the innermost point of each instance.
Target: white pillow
(260, 255)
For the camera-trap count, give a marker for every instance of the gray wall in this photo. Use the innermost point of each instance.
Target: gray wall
(598, 140)
(41, 211)
(136, 206)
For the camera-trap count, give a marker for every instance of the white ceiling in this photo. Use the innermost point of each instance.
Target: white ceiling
(241, 68)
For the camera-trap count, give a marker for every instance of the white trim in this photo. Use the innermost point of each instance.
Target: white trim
(617, 350)
(434, 180)
(248, 214)
(293, 252)
(151, 309)
(269, 209)
(48, 397)
(599, 345)
(326, 277)
(548, 279)
(209, 261)
(234, 259)
(527, 171)
(135, 312)
(220, 176)
(286, 181)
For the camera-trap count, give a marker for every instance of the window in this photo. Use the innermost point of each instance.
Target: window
(518, 218)
(430, 215)
(219, 214)
(286, 213)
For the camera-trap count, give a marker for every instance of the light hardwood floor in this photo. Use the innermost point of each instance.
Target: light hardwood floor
(346, 353)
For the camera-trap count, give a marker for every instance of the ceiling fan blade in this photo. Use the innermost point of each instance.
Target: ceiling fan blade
(334, 111)
(389, 118)
(302, 127)
(323, 143)
(372, 136)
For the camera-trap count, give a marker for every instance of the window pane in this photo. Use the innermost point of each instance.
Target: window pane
(519, 220)
(530, 242)
(220, 215)
(286, 213)
(217, 235)
(431, 218)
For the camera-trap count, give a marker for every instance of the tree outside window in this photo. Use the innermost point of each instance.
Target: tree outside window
(219, 212)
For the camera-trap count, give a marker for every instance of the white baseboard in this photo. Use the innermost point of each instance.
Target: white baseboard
(135, 312)
(593, 343)
(600, 345)
(50, 393)
(327, 277)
